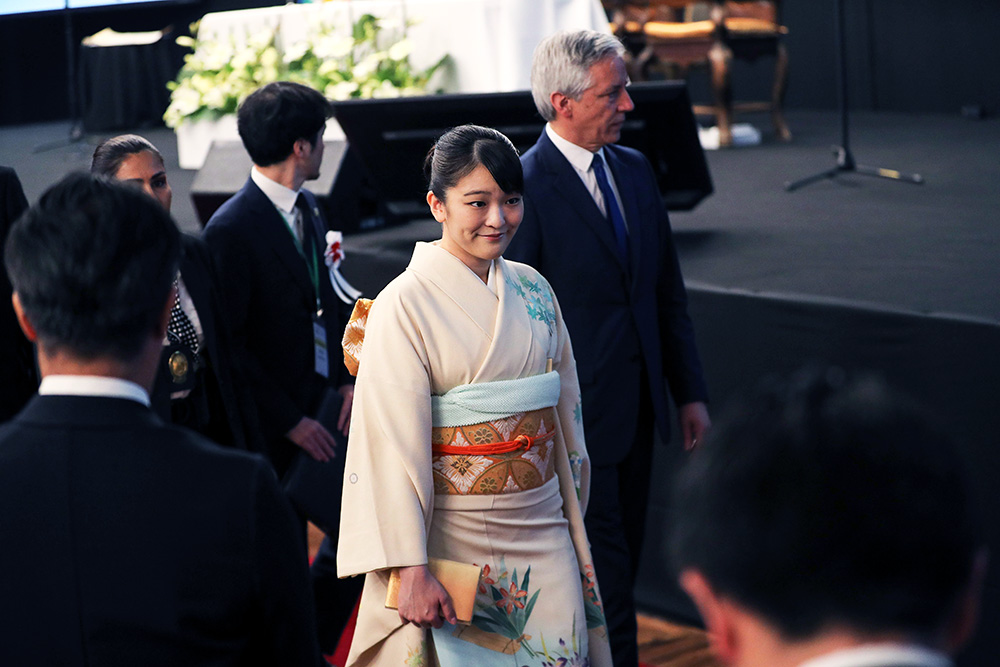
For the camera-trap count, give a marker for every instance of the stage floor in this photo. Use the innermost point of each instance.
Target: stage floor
(844, 270)
(930, 248)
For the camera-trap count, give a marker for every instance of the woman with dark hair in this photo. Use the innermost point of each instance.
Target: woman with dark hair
(466, 441)
(195, 384)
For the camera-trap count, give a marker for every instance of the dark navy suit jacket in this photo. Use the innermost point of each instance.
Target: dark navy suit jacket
(127, 541)
(621, 320)
(269, 297)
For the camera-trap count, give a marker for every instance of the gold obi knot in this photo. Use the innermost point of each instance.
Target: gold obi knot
(506, 455)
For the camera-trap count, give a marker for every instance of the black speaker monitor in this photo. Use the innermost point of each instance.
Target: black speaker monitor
(391, 137)
(339, 189)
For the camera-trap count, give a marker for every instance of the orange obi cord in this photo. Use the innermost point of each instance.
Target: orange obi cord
(494, 448)
(501, 456)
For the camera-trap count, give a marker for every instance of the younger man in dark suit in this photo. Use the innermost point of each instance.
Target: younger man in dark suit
(595, 226)
(268, 244)
(826, 523)
(127, 541)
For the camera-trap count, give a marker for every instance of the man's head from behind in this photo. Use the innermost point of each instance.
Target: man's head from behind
(92, 265)
(272, 118)
(578, 83)
(828, 507)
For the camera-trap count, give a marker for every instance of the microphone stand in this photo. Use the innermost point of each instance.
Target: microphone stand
(845, 159)
(75, 123)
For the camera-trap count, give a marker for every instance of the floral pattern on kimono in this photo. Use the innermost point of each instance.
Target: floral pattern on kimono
(436, 327)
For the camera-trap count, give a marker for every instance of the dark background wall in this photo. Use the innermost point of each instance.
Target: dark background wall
(903, 55)
(33, 74)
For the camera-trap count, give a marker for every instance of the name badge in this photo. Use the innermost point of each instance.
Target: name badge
(319, 344)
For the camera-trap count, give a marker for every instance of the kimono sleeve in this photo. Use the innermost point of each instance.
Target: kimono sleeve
(388, 485)
(570, 407)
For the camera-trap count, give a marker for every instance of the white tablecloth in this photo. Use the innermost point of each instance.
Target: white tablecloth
(490, 41)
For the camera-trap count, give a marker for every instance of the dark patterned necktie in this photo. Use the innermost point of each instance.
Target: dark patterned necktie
(307, 226)
(180, 328)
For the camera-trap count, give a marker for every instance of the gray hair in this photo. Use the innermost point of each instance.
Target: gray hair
(562, 64)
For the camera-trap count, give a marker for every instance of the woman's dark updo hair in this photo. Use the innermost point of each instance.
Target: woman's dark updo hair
(461, 149)
(110, 154)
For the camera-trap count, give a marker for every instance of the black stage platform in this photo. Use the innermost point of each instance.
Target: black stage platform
(867, 273)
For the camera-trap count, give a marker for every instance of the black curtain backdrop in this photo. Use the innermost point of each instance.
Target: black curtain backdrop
(126, 86)
(947, 363)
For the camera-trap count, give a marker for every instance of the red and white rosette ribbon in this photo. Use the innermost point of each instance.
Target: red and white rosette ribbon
(333, 256)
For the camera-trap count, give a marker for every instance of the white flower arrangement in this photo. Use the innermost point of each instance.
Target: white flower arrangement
(218, 74)
(373, 61)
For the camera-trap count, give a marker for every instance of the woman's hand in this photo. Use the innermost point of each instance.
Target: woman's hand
(423, 601)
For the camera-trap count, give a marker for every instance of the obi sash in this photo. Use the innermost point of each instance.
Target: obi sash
(494, 437)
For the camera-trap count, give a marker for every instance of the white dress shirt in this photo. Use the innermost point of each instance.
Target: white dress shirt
(581, 159)
(283, 198)
(92, 385)
(873, 655)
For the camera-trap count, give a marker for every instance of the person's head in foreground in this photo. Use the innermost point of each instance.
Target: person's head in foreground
(283, 122)
(133, 159)
(474, 181)
(827, 514)
(578, 82)
(93, 265)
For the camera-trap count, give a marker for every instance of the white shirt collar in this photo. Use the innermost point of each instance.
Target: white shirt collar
(881, 654)
(92, 385)
(283, 198)
(578, 156)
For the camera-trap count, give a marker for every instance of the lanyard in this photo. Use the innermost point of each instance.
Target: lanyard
(311, 259)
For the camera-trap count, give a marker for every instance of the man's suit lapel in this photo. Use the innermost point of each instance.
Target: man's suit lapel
(197, 284)
(272, 230)
(633, 218)
(567, 183)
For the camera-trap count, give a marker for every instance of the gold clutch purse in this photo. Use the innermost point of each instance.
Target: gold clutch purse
(461, 580)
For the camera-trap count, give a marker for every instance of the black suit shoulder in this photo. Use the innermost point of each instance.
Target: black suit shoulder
(176, 551)
(249, 199)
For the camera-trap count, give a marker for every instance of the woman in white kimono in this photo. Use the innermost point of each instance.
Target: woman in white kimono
(466, 441)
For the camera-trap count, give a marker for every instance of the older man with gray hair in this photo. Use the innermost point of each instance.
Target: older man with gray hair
(595, 226)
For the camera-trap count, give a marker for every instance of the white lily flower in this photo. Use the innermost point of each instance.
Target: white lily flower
(185, 101)
(328, 67)
(215, 98)
(385, 90)
(367, 67)
(269, 58)
(341, 90)
(401, 49)
(296, 51)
